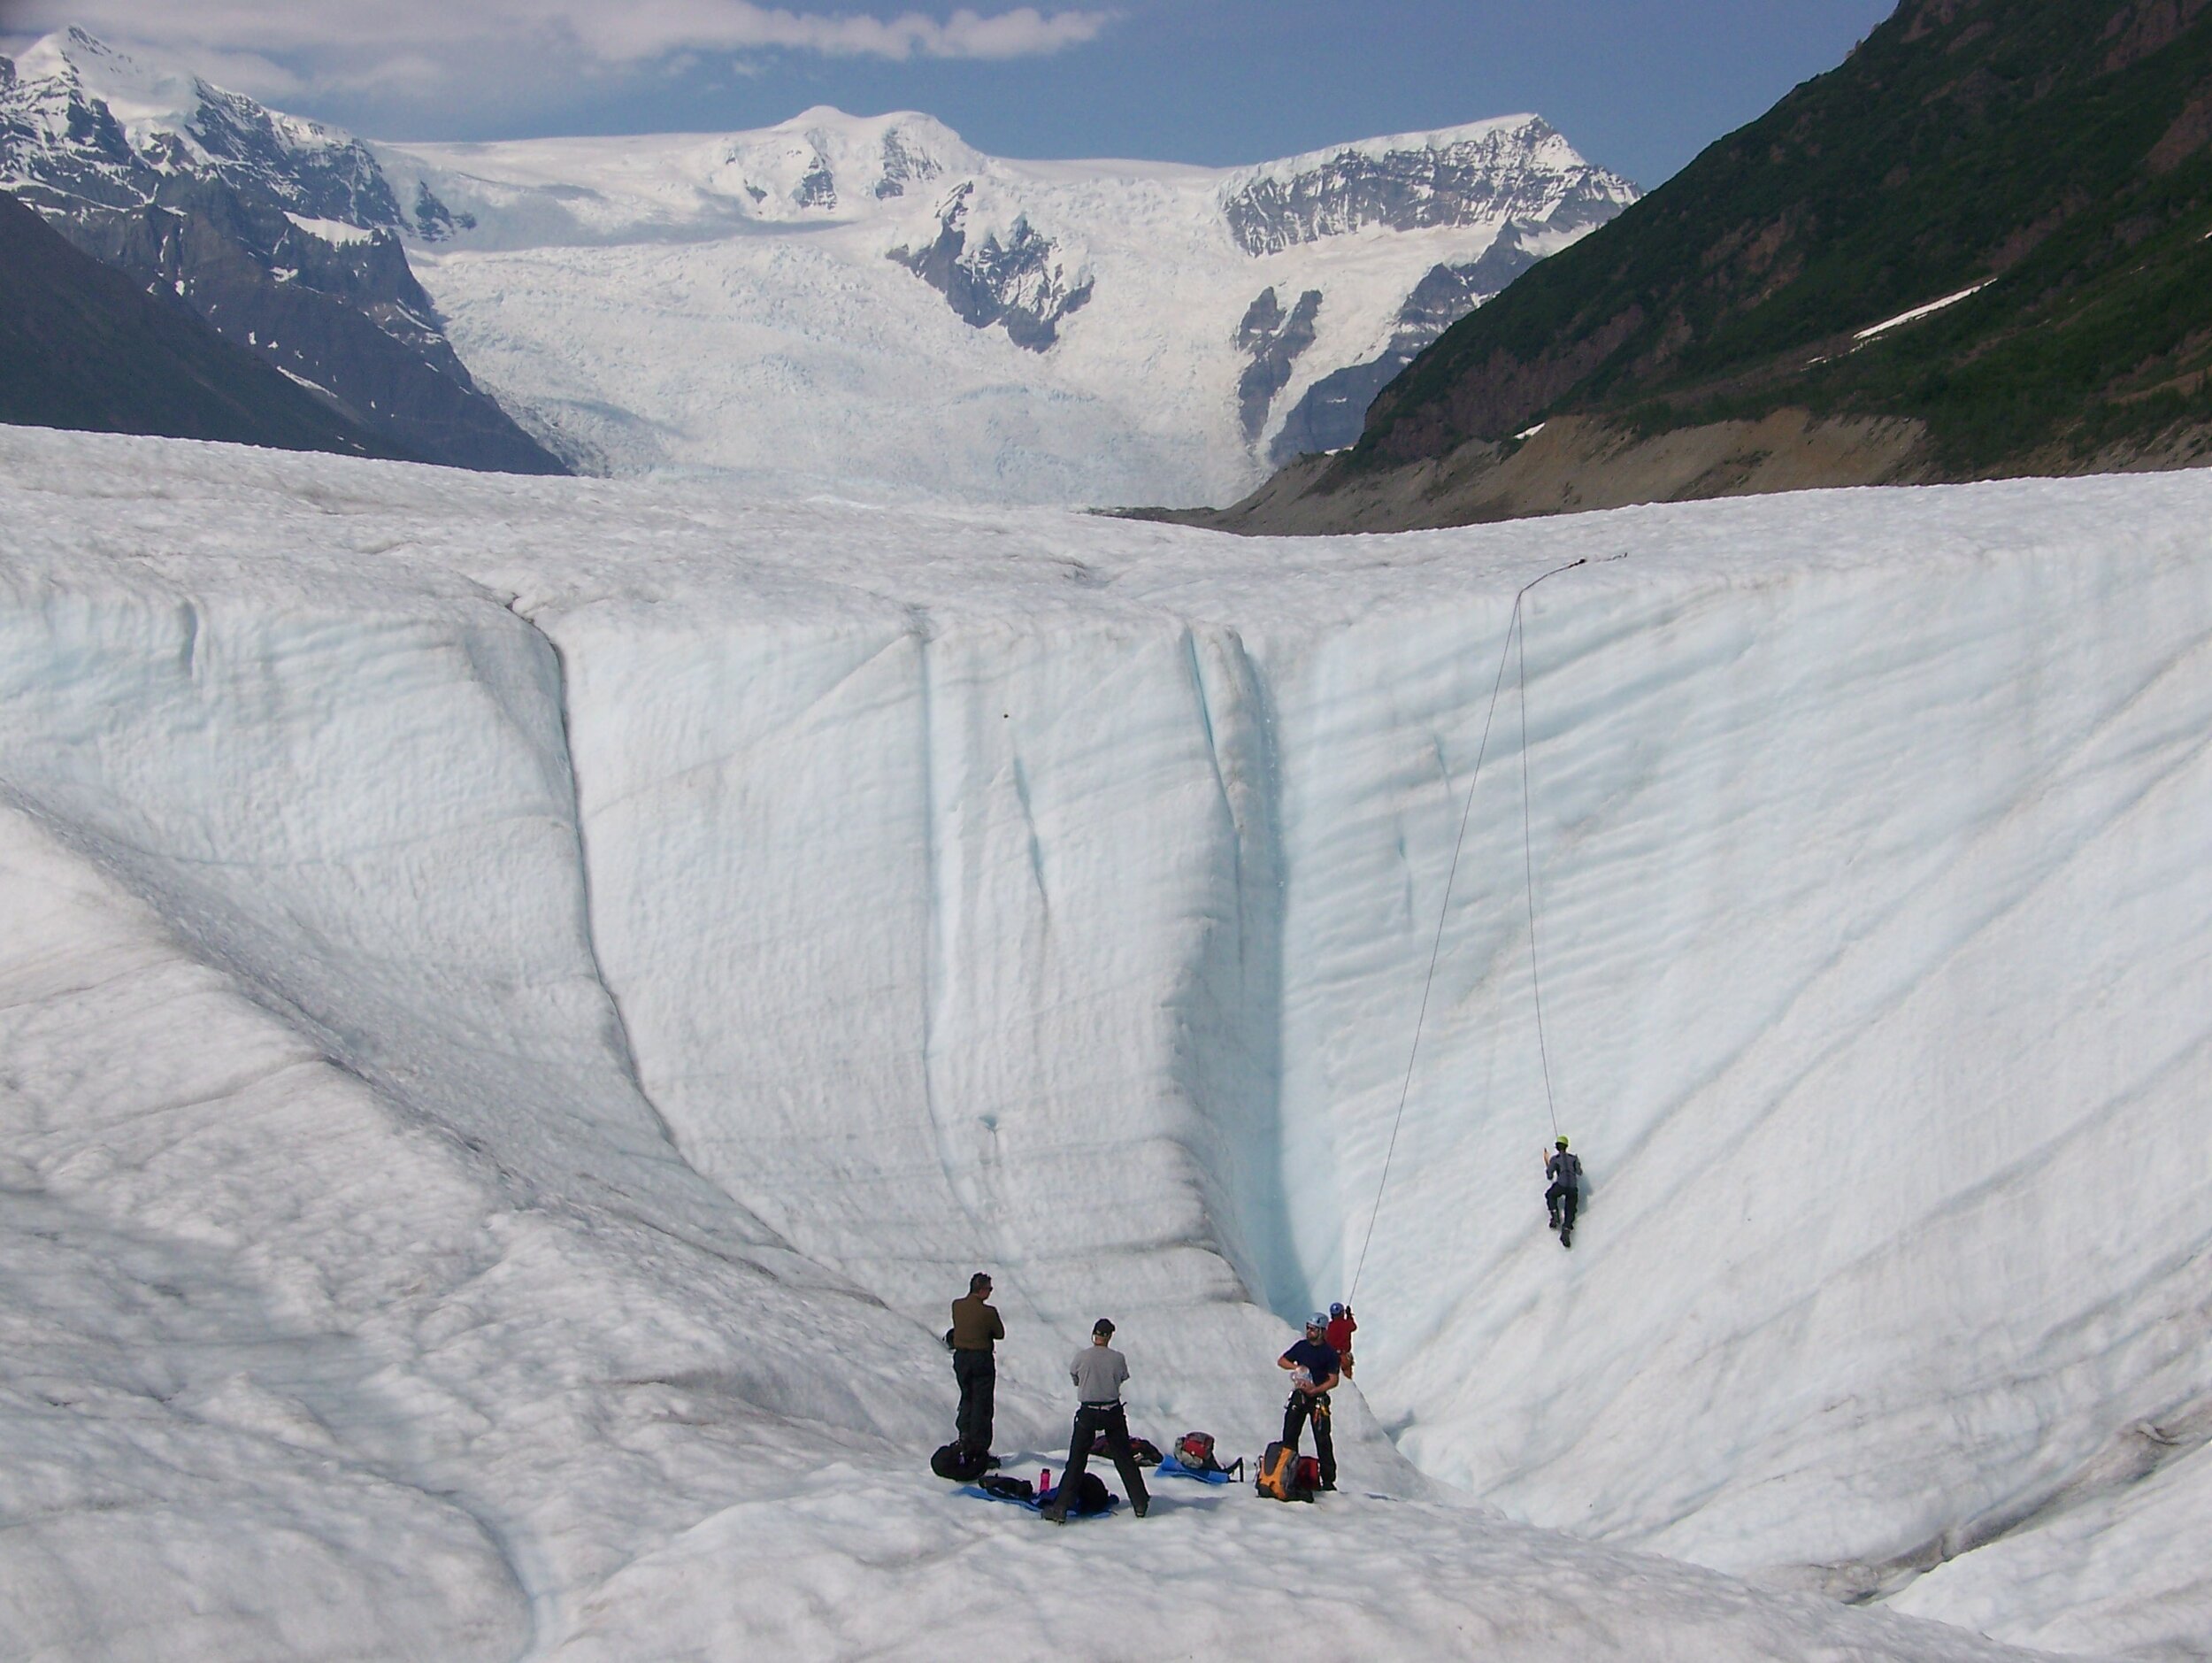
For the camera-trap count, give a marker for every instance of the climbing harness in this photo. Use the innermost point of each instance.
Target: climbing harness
(1515, 632)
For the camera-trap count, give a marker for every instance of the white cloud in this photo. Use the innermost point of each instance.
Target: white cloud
(618, 33)
(629, 32)
(418, 50)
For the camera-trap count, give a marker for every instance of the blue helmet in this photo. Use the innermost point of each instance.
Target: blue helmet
(1336, 1309)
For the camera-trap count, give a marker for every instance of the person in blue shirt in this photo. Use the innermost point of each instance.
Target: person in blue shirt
(1313, 1367)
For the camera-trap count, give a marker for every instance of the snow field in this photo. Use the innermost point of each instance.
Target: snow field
(854, 1568)
(563, 979)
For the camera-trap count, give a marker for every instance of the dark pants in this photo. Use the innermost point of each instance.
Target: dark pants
(977, 1376)
(1091, 1419)
(1561, 1199)
(1315, 1405)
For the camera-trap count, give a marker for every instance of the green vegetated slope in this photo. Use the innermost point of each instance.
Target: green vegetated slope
(82, 346)
(2054, 150)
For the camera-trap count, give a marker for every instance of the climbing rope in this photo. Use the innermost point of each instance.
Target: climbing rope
(1528, 873)
(1515, 631)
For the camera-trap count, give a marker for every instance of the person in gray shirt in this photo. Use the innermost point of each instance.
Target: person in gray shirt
(1098, 1372)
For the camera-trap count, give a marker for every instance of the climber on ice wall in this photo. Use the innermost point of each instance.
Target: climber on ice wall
(1565, 1172)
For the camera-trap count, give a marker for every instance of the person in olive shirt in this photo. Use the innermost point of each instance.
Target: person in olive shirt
(975, 1327)
(1098, 1372)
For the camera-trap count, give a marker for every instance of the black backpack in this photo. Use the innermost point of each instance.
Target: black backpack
(1145, 1450)
(960, 1463)
(1091, 1495)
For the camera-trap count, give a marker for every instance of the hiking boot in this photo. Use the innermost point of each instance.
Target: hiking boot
(1055, 1515)
(1141, 1506)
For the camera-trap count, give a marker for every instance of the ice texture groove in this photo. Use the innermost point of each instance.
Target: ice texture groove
(521, 1001)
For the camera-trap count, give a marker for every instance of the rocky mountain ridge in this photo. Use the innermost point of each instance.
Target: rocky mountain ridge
(283, 235)
(1518, 169)
(83, 346)
(1021, 283)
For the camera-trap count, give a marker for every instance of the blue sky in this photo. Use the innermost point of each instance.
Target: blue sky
(1639, 86)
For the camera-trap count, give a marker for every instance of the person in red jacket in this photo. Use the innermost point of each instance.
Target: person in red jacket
(1341, 1328)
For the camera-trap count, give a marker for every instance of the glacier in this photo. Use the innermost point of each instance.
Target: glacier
(866, 307)
(522, 1000)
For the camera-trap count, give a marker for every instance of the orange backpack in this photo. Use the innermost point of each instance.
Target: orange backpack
(1286, 1475)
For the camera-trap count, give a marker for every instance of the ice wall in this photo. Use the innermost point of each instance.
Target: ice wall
(949, 941)
(1873, 902)
(1867, 840)
(746, 920)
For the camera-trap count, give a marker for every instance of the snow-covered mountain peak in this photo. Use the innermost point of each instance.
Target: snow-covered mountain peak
(1522, 128)
(71, 90)
(825, 163)
(151, 98)
(1516, 167)
(133, 85)
(83, 116)
(280, 231)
